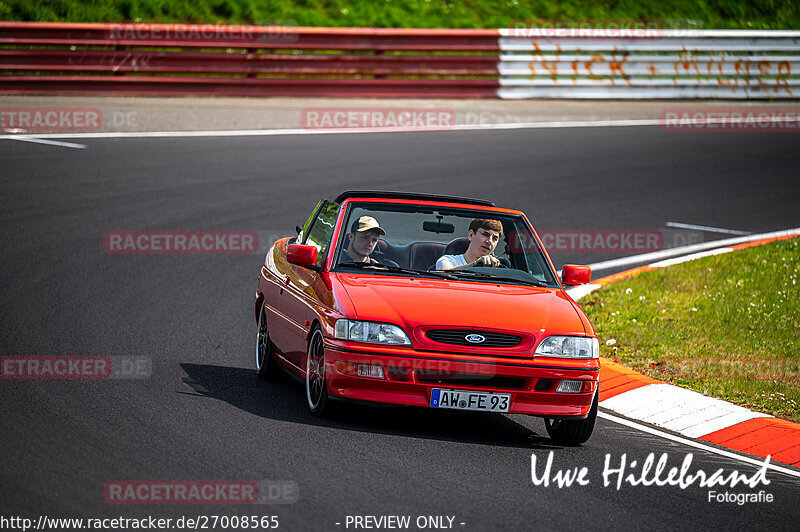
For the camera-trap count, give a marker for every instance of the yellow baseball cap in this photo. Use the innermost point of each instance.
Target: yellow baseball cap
(366, 223)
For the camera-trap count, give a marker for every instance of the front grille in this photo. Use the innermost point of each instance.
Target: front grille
(458, 337)
(469, 379)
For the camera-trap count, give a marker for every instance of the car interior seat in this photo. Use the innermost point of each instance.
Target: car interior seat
(423, 255)
(456, 247)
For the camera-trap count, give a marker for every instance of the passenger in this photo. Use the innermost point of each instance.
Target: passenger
(484, 236)
(363, 238)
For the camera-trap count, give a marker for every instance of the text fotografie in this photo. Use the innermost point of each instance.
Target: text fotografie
(649, 473)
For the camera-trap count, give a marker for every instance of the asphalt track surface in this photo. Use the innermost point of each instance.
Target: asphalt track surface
(203, 414)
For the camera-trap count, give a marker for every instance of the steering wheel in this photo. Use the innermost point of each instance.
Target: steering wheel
(502, 263)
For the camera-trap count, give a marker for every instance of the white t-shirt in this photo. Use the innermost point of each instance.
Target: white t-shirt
(451, 261)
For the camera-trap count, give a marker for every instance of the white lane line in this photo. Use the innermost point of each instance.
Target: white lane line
(562, 124)
(691, 257)
(696, 444)
(684, 250)
(577, 292)
(707, 229)
(43, 141)
(271, 132)
(159, 134)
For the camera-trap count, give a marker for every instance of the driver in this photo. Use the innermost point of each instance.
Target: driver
(363, 237)
(484, 236)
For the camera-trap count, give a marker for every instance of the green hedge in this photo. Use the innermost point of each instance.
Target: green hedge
(748, 14)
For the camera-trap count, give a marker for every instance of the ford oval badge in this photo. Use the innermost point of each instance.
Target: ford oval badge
(474, 338)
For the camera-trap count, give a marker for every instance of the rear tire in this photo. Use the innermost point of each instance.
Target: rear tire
(572, 432)
(266, 365)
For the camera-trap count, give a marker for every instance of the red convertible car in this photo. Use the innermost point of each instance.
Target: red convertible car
(359, 306)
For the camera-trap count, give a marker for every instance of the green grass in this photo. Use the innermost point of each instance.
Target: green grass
(755, 14)
(727, 326)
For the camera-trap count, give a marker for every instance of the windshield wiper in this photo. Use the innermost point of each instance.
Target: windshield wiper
(394, 269)
(484, 275)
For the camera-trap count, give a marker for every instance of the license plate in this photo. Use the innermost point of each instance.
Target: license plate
(466, 400)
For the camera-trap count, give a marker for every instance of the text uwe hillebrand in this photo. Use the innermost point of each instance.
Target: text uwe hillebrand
(618, 472)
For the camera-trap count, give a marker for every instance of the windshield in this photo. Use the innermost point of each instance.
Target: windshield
(389, 239)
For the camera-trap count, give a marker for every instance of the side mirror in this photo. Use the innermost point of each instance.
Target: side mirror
(305, 256)
(576, 275)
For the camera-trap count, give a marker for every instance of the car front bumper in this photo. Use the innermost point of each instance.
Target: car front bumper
(410, 375)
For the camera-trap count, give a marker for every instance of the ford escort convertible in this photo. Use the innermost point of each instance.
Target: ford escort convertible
(429, 301)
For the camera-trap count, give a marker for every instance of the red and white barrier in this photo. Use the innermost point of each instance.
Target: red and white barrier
(179, 59)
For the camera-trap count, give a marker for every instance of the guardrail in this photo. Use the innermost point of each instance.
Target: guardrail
(153, 59)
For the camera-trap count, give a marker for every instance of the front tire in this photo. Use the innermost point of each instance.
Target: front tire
(316, 384)
(266, 364)
(573, 432)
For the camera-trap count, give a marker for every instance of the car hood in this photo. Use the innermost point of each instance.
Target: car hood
(420, 302)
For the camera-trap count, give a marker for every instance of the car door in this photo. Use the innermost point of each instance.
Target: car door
(300, 298)
(277, 275)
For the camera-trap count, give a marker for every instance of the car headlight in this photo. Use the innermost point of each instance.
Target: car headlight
(370, 332)
(569, 347)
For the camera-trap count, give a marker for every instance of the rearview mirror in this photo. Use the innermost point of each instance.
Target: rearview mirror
(438, 227)
(305, 256)
(576, 275)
